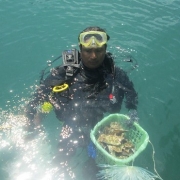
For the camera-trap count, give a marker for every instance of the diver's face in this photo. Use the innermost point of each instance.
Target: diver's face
(93, 57)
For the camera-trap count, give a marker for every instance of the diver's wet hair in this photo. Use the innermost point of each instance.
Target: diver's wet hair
(94, 28)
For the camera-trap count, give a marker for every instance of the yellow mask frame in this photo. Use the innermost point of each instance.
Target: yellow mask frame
(93, 39)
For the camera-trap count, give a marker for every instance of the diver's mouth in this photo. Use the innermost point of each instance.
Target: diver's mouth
(94, 61)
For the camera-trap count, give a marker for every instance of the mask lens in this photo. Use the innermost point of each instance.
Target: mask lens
(97, 36)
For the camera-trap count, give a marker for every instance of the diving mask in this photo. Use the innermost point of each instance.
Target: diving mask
(93, 39)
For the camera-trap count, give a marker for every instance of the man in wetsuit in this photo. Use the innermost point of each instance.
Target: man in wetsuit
(82, 90)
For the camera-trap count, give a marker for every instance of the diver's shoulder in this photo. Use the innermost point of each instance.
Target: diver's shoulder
(120, 74)
(56, 76)
(58, 71)
(119, 70)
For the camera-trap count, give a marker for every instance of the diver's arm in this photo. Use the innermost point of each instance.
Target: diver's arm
(36, 120)
(131, 102)
(33, 126)
(33, 109)
(43, 95)
(131, 96)
(33, 116)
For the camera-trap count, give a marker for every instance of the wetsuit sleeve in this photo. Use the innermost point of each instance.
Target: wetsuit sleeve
(44, 92)
(41, 95)
(131, 96)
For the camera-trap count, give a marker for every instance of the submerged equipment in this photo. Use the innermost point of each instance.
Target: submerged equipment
(117, 167)
(137, 135)
(93, 39)
(125, 173)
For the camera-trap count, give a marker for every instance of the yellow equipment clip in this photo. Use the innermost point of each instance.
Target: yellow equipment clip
(60, 88)
(46, 107)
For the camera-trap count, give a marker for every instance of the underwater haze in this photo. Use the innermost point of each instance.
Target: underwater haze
(35, 32)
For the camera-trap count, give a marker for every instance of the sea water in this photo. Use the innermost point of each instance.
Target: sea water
(35, 32)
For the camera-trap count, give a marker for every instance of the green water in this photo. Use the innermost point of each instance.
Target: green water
(35, 31)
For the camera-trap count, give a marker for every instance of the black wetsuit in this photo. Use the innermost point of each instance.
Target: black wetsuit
(91, 94)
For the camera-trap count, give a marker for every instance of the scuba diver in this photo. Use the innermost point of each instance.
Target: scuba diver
(81, 91)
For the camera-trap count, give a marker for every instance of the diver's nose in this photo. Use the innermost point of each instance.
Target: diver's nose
(93, 55)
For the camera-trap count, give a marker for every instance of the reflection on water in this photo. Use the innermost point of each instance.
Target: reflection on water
(29, 158)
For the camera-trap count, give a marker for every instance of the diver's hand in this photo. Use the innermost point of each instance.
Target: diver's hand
(34, 126)
(29, 127)
(133, 117)
(29, 132)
